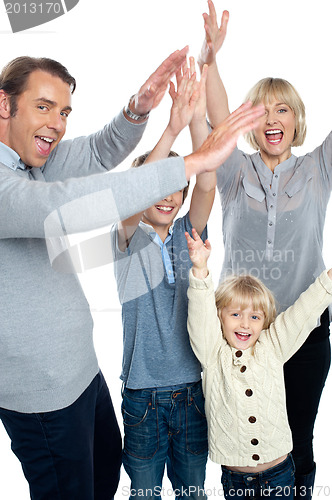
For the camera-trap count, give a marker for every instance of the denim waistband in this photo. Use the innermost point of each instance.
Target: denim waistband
(265, 474)
(165, 394)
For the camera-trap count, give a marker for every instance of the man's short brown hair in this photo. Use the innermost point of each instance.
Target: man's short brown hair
(15, 75)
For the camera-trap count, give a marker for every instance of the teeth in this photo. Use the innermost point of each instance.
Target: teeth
(47, 139)
(164, 209)
(271, 132)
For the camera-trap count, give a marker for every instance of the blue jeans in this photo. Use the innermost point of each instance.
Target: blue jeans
(275, 483)
(165, 426)
(69, 454)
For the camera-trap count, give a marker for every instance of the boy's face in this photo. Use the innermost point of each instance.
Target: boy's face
(161, 214)
(241, 327)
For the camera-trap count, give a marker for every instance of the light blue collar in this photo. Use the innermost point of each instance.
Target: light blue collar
(10, 158)
(163, 248)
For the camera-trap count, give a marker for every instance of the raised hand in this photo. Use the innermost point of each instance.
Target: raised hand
(199, 252)
(223, 139)
(214, 35)
(184, 98)
(153, 90)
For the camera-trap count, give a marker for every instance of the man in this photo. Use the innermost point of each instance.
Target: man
(54, 402)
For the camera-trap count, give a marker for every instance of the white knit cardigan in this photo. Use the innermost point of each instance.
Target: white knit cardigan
(244, 391)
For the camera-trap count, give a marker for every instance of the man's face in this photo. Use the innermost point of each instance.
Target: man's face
(41, 118)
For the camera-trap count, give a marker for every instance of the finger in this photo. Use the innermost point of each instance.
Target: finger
(184, 66)
(192, 65)
(181, 72)
(189, 239)
(178, 76)
(247, 120)
(168, 68)
(195, 235)
(246, 106)
(243, 122)
(253, 112)
(192, 91)
(178, 59)
(183, 83)
(207, 244)
(172, 91)
(224, 21)
(212, 11)
(195, 94)
(192, 73)
(208, 36)
(210, 27)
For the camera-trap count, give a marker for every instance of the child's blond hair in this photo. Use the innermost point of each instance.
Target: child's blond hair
(244, 289)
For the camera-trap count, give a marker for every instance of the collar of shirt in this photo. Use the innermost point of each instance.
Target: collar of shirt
(163, 248)
(10, 158)
(266, 173)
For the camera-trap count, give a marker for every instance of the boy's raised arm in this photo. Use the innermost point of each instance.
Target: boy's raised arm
(184, 100)
(204, 190)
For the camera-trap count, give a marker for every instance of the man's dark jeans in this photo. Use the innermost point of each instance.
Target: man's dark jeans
(69, 454)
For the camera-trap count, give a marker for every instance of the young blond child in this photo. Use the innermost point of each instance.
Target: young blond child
(242, 348)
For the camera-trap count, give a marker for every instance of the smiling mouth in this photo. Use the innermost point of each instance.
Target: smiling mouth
(242, 336)
(163, 209)
(44, 144)
(274, 136)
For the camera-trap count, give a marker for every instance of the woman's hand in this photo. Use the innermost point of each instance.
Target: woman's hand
(214, 35)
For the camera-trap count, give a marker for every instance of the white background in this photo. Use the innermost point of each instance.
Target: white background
(111, 47)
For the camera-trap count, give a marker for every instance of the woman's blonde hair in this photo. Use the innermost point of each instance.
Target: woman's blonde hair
(267, 89)
(243, 290)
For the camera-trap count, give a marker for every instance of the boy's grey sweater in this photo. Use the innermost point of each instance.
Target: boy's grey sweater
(47, 358)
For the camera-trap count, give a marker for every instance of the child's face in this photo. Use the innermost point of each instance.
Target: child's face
(162, 213)
(241, 327)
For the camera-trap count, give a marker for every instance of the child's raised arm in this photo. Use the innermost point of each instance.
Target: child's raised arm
(184, 100)
(204, 190)
(199, 253)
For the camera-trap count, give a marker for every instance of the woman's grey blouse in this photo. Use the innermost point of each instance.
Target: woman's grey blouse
(273, 221)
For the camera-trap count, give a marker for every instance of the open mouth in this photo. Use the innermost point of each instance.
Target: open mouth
(164, 209)
(274, 136)
(242, 336)
(44, 144)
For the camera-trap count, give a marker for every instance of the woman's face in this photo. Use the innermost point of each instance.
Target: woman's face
(275, 132)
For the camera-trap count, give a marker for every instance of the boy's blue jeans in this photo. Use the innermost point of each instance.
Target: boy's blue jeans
(165, 426)
(272, 484)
